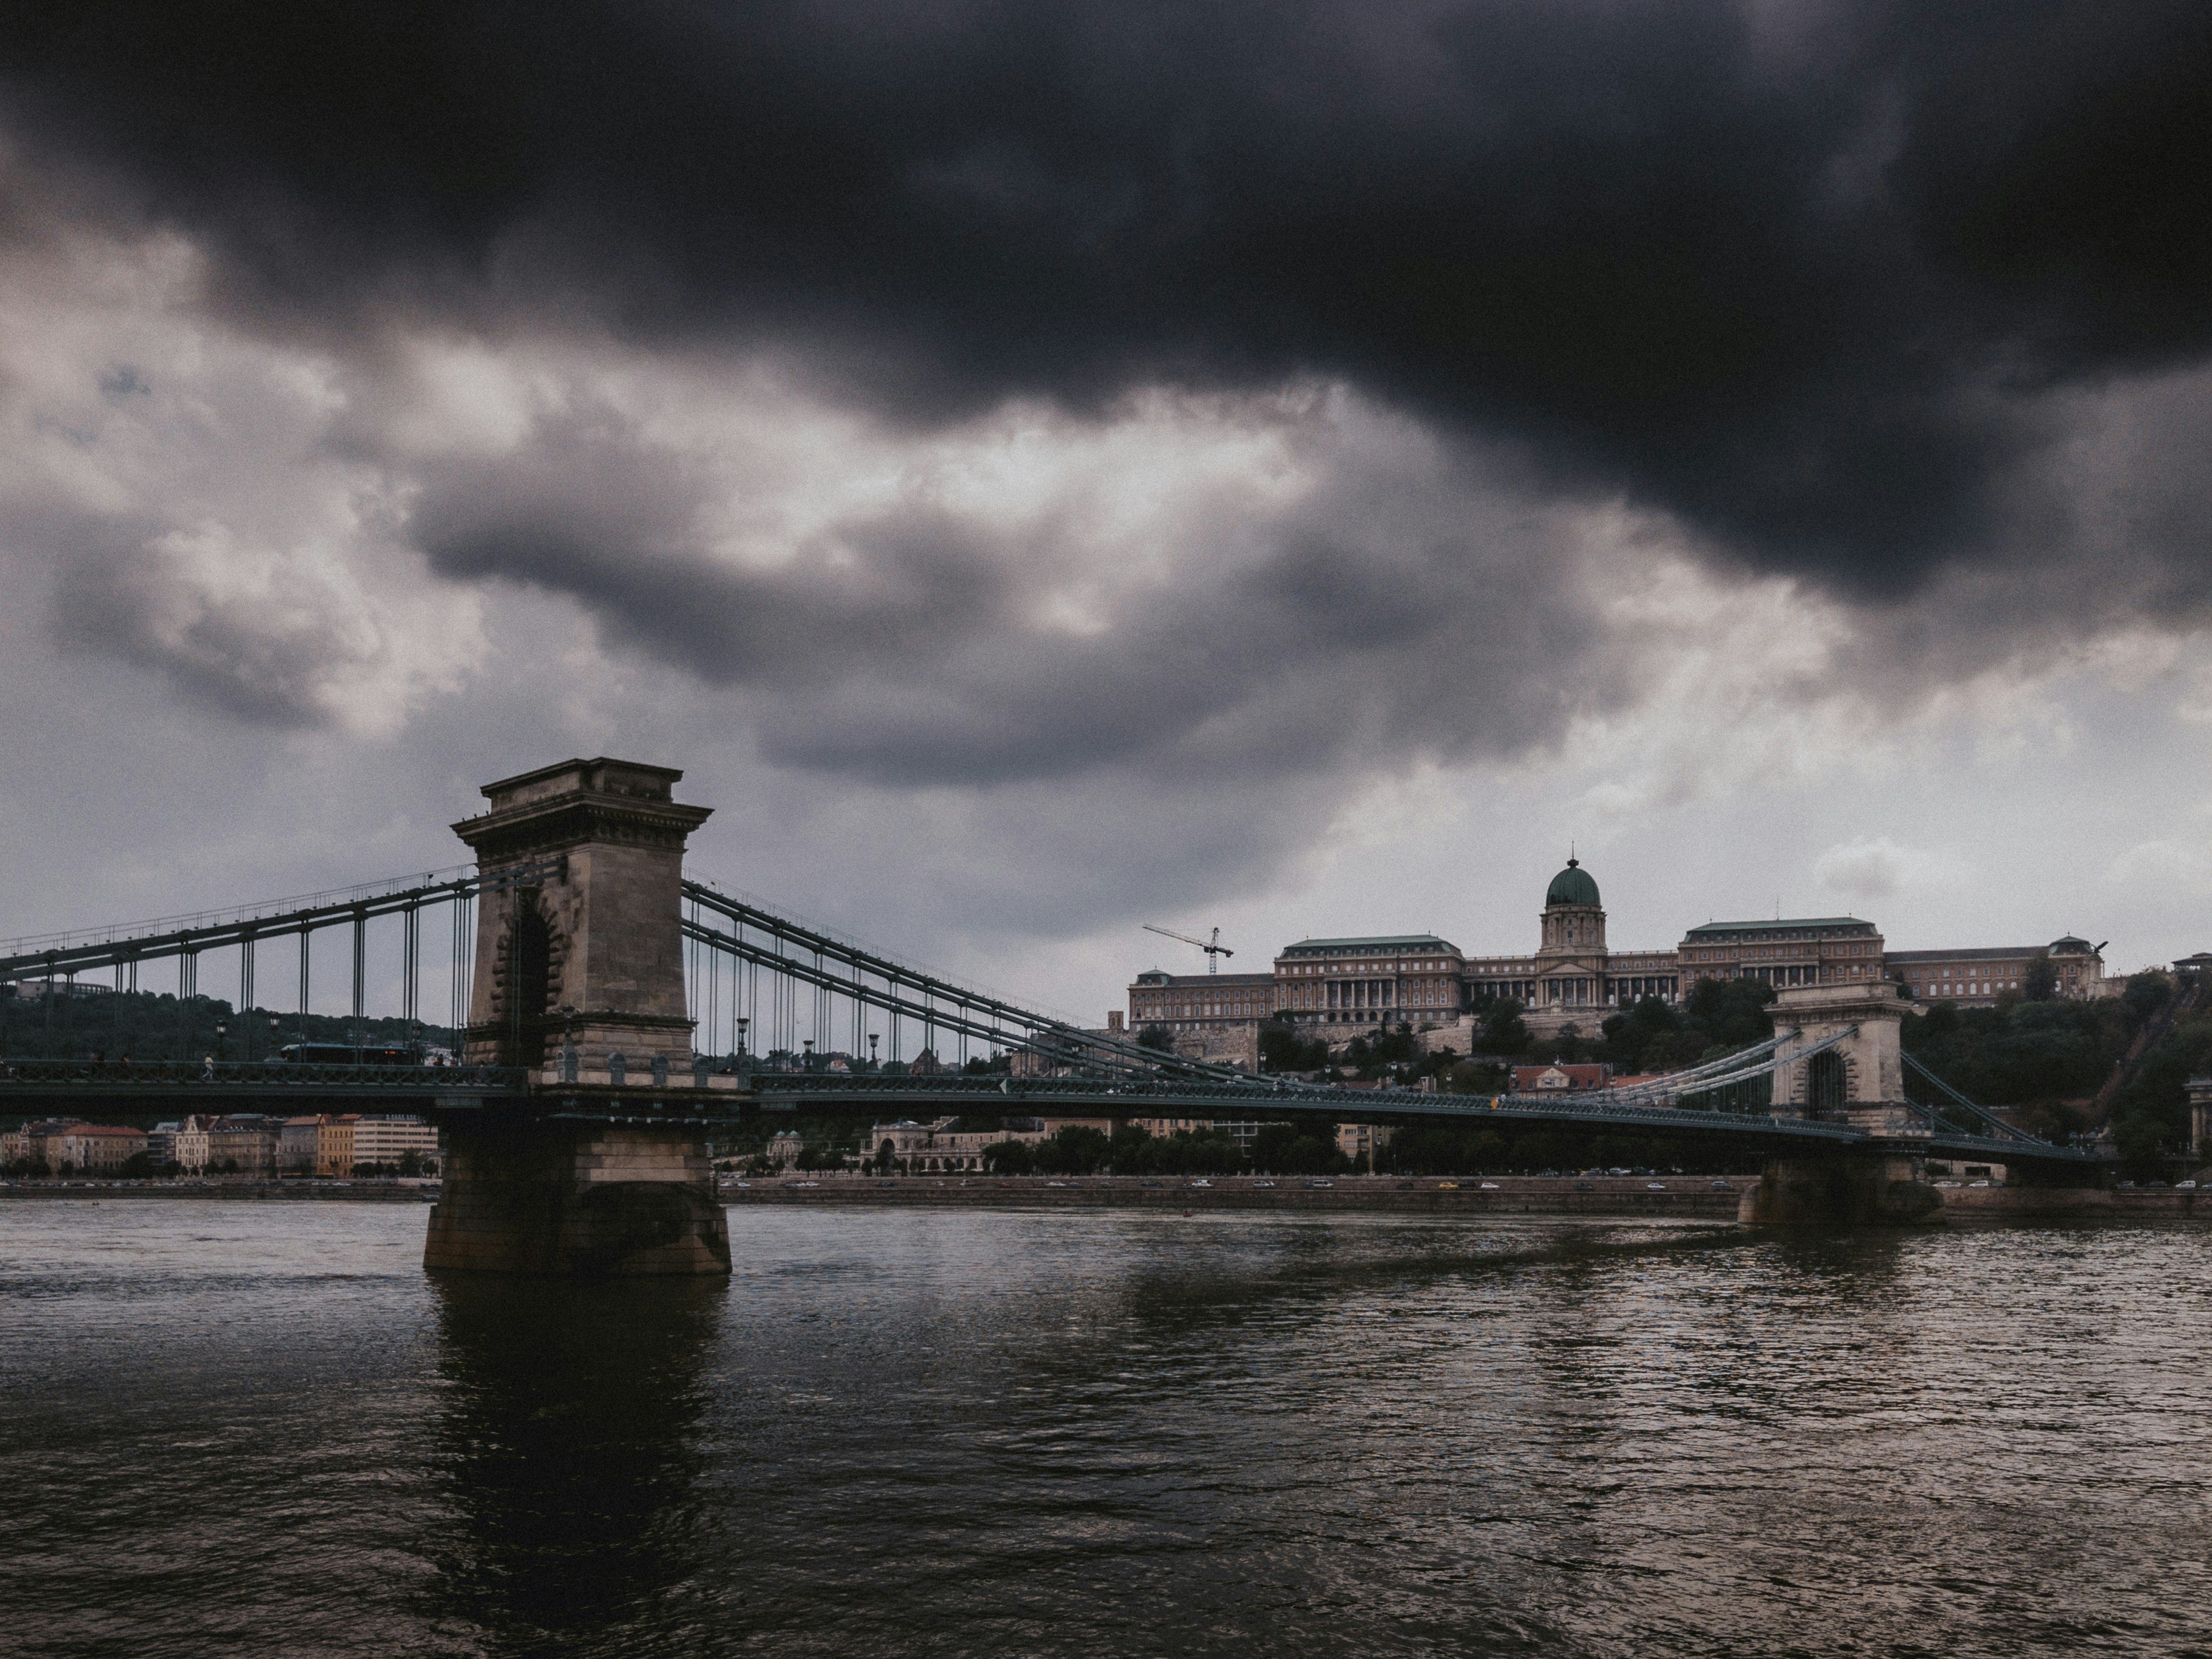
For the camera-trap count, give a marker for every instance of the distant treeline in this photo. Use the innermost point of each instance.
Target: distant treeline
(158, 1025)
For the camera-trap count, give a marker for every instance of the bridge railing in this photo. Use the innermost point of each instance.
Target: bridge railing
(1258, 1093)
(221, 1075)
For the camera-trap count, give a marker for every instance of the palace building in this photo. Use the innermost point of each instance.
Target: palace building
(1574, 976)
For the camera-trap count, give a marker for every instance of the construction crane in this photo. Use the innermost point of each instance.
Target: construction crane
(1213, 948)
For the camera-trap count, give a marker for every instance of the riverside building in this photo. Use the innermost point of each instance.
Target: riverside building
(1574, 976)
(68, 1147)
(383, 1138)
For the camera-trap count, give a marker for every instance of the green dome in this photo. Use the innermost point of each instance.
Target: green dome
(1572, 885)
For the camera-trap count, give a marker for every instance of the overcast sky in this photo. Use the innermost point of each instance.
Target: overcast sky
(1043, 470)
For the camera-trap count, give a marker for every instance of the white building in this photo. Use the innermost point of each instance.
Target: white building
(380, 1139)
(918, 1148)
(189, 1144)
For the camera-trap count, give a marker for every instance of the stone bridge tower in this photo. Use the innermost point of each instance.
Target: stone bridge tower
(1861, 1082)
(594, 946)
(604, 938)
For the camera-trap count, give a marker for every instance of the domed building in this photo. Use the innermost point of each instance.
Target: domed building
(1575, 977)
(1570, 963)
(1573, 918)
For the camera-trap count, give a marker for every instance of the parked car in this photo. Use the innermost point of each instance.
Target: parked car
(1654, 1186)
(1263, 1183)
(1948, 1183)
(1584, 1187)
(1321, 1183)
(1723, 1187)
(1488, 1187)
(1447, 1186)
(1201, 1182)
(2185, 1186)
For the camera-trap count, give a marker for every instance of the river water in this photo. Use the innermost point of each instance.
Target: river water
(240, 1428)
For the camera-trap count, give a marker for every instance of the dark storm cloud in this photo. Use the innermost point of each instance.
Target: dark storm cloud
(1796, 272)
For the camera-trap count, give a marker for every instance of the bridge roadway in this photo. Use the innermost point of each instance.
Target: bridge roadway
(710, 1097)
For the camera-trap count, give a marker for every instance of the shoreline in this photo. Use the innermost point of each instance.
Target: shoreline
(1682, 1195)
(1687, 1196)
(254, 1191)
(1608, 1196)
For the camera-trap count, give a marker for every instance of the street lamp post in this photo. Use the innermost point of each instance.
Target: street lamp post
(221, 1030)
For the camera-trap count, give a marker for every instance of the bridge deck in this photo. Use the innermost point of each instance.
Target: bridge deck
(29, 1085)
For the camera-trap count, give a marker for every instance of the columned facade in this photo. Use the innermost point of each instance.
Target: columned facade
(1575, 977)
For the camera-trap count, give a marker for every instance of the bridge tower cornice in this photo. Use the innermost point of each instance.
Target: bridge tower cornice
(558, 808)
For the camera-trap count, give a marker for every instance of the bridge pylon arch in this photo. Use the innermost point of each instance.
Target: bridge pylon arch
(605, 937)
(1860, 1080)
(1868, 1018)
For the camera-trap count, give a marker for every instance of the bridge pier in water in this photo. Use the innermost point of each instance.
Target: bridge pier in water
(1844, 1189)
(584, 970)
(558, 1196)
(1859, 1081)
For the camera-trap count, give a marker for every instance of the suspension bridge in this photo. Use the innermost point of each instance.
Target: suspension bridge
(608, 1008)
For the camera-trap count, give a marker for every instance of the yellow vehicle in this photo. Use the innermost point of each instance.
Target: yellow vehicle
(1447, 1186)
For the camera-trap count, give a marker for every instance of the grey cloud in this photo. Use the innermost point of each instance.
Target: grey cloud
(121, 592)
(1408, 605)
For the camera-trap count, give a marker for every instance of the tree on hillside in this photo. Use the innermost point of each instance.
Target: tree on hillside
(1475, 1077)
(1297, 1149)
(2041, 983)
(1504, 1031)
(148, 1025)
(2150, 1116)
(2023, 1052)
(1718, 1017)
(1283, 1049)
